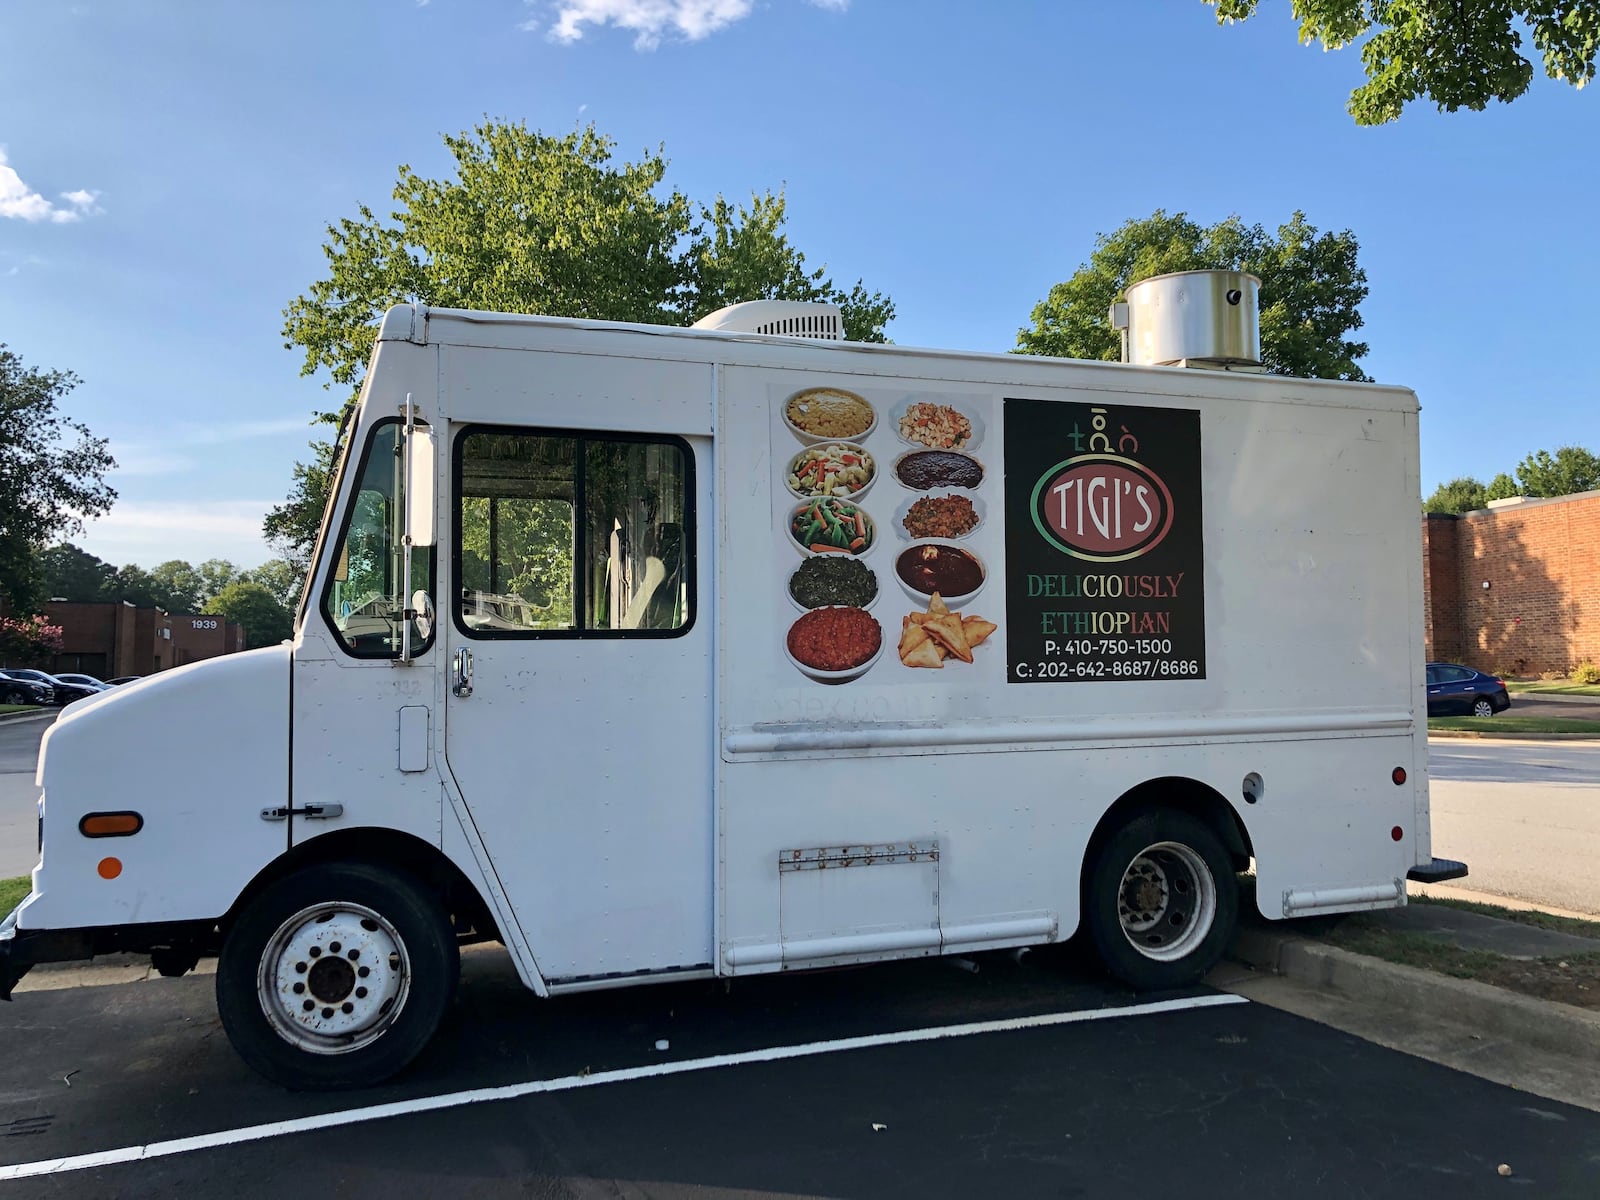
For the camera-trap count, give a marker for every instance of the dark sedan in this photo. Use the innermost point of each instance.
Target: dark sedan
(1458, 691)
(15, 689)
(64, 692)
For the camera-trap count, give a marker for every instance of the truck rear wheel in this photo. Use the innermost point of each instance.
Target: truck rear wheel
(336, 976)
(1160, 900)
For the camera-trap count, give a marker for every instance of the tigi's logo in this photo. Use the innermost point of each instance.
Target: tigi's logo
(1101, 506)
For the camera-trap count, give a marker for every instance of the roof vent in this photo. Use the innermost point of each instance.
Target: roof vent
(1192, 319)
(779, 318)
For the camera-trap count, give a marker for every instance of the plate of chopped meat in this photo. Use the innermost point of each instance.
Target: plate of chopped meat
(927, 422)
(834, 644)
(939, 516)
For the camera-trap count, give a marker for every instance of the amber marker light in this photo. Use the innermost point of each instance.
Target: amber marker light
(110, 824)
(110, 868)
(1398, 775)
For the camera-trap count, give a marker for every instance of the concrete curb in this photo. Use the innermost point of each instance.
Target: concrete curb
(1543, 1024)
(1513, 737)
(31, 715)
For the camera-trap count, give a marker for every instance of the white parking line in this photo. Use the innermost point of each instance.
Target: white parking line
(400, 1108)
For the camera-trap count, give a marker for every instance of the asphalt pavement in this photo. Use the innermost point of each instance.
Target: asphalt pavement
(1523, 815)
(1215, 1100)
(19, 813)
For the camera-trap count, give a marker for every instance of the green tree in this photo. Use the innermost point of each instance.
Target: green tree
(1460, 54)
(1463, 494)
(1311, 290)
(1502, 487)
(68, 573)
(52, 474)
(215, 574)
(265, 621)
(537, 224)
(1570, 469)
(134, 585)
(182, 584)
(282, 578)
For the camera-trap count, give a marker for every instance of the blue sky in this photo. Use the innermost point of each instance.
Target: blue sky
(170, 166)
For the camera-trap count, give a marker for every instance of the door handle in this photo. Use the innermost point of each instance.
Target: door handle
(311, 812)
(461, 685)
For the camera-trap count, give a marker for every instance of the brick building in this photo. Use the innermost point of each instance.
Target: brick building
(1514, 588)
(109, 640)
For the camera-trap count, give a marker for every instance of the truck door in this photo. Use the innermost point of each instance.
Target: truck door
(579, 658)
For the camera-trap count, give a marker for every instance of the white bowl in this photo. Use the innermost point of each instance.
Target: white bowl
(788, 530)
(978, 506)
(835, 676)
(895, 468)
(904, 406)
(812, 439)
(872, 478)
(954, 602)
(788, 579)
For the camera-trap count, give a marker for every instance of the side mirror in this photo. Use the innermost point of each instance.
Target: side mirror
(419, 486)
(422, 606)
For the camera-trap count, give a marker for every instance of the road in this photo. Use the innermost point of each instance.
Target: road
(19, 813)
(1524, 816)
(1086, 1091)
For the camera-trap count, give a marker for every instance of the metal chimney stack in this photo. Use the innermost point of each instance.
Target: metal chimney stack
(1192, 319)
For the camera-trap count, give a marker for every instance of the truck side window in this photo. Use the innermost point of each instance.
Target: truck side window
(530, 565)
(364, 600)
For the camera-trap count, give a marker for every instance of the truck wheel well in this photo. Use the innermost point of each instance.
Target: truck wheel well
(1184, 795)
(385, 848)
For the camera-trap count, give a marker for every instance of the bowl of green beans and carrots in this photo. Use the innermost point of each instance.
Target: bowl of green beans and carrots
(831, 525)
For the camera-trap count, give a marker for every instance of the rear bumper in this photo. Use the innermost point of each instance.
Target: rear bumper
(1437, 871)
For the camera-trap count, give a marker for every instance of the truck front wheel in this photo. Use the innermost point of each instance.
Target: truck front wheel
(336, 976)
(1160, 901)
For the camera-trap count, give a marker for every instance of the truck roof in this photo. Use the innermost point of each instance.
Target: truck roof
(422, 325)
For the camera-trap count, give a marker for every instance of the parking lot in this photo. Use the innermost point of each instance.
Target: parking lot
(863, 1082)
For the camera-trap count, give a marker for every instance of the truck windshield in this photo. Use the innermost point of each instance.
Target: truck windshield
(365, 598)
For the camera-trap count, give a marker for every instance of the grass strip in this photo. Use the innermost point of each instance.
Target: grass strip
(1505, 724)
(1520, 916)
(11, 708)
(1556, 689)
(12, 891)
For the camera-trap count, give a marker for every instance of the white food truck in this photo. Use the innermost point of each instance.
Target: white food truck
(656, 654)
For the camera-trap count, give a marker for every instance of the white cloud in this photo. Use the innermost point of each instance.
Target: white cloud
(648, 19)
(832, 5)
(150, 532)
(169, 457)
(20, 202)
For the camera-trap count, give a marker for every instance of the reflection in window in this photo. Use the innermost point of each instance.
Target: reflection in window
(529, 565)
(365, 603)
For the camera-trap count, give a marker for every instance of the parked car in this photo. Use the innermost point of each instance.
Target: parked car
(15, 689)
(1456, 690)
(84, 681)
(64, 692)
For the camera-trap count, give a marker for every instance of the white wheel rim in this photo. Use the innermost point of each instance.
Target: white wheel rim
(1483, 709)
(333, 978)
(1166, 901)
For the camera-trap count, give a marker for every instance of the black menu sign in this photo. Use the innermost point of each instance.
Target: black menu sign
(1104, 561)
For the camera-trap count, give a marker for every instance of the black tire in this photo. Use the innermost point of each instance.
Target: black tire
(354, 1035)
(1482, 707)
(1183, 900)
(12, 696)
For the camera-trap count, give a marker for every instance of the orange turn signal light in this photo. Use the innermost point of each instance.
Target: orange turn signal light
(110, 824)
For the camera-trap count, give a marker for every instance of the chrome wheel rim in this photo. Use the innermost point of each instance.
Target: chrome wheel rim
(1483, 709)
(1167, 901)
(333, 978)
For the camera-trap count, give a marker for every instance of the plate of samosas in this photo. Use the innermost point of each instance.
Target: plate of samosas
(928, 638)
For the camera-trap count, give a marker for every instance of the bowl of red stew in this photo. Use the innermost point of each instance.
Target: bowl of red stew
(943, 566)
(834, 644)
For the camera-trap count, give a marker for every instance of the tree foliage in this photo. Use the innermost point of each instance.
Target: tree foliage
(266, 622)
(1311, 290)
(1456, 53)
(68, 573)
(282, 578)
(1569, 470)
(531, 223)
(52, 473)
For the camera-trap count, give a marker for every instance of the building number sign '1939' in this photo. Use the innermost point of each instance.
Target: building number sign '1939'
(1104, 555)
(205, 622)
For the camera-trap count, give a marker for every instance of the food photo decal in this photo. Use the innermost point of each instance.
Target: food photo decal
(829, 525)
(928, 638)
